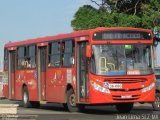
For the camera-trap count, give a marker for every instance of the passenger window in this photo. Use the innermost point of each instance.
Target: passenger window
(26, 57)
(21, 57)
(68, 53)
(31, 56)
(54, 54)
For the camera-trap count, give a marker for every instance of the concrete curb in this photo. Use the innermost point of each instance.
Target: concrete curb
(8, 108)
(18, 117)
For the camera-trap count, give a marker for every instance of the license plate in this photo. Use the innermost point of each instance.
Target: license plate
(115, 86)
(126, 96)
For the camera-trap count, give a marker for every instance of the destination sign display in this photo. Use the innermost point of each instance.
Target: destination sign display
(122, 35)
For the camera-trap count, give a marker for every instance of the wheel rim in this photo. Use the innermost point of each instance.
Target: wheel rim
(157, 102)
(25, 98)
(72, 100)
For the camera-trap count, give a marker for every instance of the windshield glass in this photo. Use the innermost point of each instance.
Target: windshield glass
(121, 60)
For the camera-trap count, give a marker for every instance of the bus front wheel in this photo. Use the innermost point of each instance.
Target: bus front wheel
(124, 107)
(156, 103)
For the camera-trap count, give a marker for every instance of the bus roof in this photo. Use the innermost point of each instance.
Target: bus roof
(48, 38)
(69, 35)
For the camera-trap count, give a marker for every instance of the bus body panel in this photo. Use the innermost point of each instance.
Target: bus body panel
(27, 78)
(56, 89)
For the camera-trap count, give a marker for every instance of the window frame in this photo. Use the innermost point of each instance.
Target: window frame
(71, 53)
(61, 52)
(26, 57)
(50, 54)
(19, 58)
(35, 56)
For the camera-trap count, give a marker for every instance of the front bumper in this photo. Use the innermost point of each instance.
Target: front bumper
(98, 97)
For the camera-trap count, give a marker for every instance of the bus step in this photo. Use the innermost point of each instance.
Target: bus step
(43, 102)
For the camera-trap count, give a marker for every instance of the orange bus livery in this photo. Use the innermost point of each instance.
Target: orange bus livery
(88, 67)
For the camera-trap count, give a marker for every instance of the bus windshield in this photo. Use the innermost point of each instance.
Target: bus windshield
(117, 60)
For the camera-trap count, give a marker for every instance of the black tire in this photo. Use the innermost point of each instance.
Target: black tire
(124, 107)
(25, 98)
(71, 102)
(156, 103)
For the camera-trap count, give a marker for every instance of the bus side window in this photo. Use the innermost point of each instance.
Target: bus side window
(68, 53)
(54, 54)
(21, 58)
(31, 57)
(5, 59)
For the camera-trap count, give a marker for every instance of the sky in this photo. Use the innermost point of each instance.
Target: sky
(24, 19)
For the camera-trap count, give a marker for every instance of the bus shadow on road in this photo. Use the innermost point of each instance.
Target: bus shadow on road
(110, 110)
(87, 110)
(97, 110)
(48, 106)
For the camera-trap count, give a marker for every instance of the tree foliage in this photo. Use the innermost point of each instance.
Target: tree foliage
(118, 13)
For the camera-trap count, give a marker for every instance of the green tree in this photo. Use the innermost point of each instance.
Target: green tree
(119, 13)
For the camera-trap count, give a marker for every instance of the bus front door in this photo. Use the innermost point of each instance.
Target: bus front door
(82, 72)
(42, 51)
(11, 82)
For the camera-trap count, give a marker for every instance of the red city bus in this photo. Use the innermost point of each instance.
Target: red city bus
(89, 67)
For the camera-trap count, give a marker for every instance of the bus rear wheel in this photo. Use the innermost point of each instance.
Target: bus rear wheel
(26, 102)
(71, 102)
(124, 107)
(25, 98)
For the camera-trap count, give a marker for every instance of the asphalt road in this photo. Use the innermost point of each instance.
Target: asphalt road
(57, 112)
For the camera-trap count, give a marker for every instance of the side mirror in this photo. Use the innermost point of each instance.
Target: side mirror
(88, 51)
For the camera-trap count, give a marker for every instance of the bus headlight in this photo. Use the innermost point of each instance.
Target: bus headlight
(148, 88)
(100, 88)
